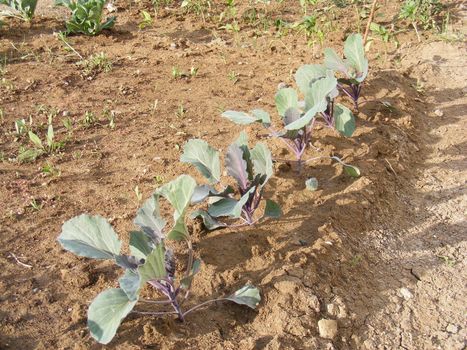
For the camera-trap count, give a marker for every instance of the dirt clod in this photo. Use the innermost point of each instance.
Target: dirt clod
(327, 328)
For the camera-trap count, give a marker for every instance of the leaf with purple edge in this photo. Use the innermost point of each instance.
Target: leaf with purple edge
(236, 166)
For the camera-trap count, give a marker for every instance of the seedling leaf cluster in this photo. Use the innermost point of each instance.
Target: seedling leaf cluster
(250, 168)
(24, 8)
(86, 16)
(319, 87)
(150, 261)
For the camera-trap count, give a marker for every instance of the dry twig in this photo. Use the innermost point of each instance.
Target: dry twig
(370, 19)
(19, 262)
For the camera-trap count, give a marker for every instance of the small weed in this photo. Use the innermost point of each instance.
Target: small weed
(421, 13)
(176, 73)
(381, 31)
(21, 127)
(68, 124)
(35, 204)
(95, 64)
(139, 195)
(181, 111)
(147, 20)
(110, 116)
(447, 260)
(159, 179)
(194, 71)
(89, 119)
(198, 7)
(233, 76)
(356, 260)
(50, 170)
(161, 3)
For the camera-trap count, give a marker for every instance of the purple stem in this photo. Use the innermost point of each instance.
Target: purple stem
(203, 304)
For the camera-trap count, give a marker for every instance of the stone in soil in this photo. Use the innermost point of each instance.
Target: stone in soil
(327, 328)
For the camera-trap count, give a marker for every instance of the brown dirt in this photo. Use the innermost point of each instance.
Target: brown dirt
(384, 255)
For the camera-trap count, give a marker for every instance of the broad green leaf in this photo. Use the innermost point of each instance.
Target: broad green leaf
(303, 121)
(204, 158)
(201, 192)
(316, 99)
(106, 312)
(35, 139)
(334, 62)
(229, 207)
(140, 244)
(130, 283)
(272, 210)
(209, 222)
(90, 236)
(291, 115)
(241, 118)
(262, 160)
(262, 116)
(179, 231)
(247, 295)
(311, 184)
(223, 207)
(352, 170)
(242, 139)
(154, 266)
(308, 74)
(344, 121)
(179, 193)
(285, 99)
(355, 55)
(149, 218)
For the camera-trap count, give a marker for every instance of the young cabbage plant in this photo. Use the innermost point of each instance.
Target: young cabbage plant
(354, 67)
(86, 16)
(150, 262)
(251, 169)
(319, 87)
(25, 8)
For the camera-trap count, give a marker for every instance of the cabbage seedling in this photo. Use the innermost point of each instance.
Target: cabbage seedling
(251, 169)
(25, 8)
(86, 16)
(354, 67)
(319, 87)
(150, 262)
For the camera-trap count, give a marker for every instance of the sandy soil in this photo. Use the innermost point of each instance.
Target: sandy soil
(384, 255)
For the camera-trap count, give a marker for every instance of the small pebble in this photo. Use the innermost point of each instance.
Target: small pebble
(406, 294)
(327, 328)
(439, 113)
(452, 329)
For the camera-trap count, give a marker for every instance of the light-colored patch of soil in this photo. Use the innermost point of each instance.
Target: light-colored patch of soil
(383, 255)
